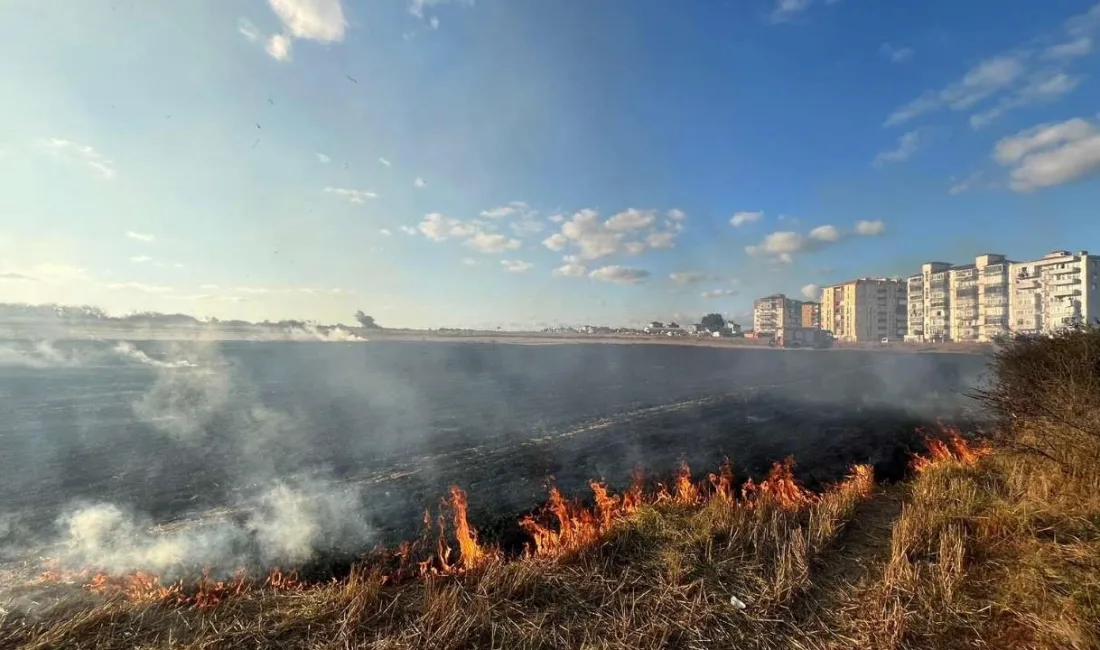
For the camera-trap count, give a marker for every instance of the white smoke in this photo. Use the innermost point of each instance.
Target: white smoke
(335, 335)
(130, 351)
(42, 355)
(287, 525)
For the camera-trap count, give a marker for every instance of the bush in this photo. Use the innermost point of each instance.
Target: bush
(1045, 396)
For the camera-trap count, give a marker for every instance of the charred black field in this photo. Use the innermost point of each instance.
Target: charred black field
(301, 454)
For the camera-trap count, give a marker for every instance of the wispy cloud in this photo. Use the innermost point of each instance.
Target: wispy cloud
(141, 259)
(1050, 154)
(719, 293)
(420, 182)
(516, 266)
(896, 54)
(321, 21)
(323, 159)
(811, 292)
(741, 218)
(83, 154)
(966, 184)
(907, 145)
(782, 246)
(615, 274)
(145, 237)
(352, 195)
(385, 162)
(787, 10)
(690, 277)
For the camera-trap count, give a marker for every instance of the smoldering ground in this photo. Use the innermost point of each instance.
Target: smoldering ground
(208, 455)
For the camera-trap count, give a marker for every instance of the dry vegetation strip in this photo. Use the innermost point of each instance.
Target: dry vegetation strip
(997, 551)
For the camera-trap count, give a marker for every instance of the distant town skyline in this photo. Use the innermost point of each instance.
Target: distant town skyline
(479, 164)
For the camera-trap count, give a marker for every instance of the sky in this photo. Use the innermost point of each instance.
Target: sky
(483, 163)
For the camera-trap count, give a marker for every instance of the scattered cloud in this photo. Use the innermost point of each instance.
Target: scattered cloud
(896, 54)
(385, 232)
(314, 20)
(811, 292)
(82, 154)
(141, 259)
(526, 226)
(630, 220)
(741, 218)
(516, 266)
(907, 145)
(787, 10)
(1070, 49)
(353, 196)
(966, 184)
(420, 182)
(385, 162)
(434, 22)
(510, 210)
(1050, 154)
(719, 293)
(631, 231)
(416, 7)
(469, 261)
(1032, 73)
(140, 236)
(870, 228)
(488, 243)
(556, 218)
(676, 214)
(248, 30)
(323, 158)
(573, 268)
(15, 277)
(619, 274)
(408, 230)
(782, 246)
(690, 277)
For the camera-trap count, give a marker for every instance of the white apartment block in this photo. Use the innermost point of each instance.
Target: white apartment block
(1055, 292)
(969, 302)
(775, 312)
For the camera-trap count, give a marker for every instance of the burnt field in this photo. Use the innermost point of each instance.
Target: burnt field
(286, 454)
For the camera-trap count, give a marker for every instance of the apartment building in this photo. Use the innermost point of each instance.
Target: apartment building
(811, 314)
(1055, 292)
(967, 302)
(774, 312)
(865, 310)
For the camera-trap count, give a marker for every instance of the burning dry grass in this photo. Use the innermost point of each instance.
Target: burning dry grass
(977, 549)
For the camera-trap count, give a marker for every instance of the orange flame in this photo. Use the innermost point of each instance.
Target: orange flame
(950, 447)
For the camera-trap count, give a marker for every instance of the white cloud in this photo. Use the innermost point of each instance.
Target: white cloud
(635, 247)
(741, 218)
(385, 162)
(516, 266)
(619, 274)
(719, 293)
(896, 54)
(573, 268)
(1016, 76)
(352, 195)
(512, 209)
(908, 144)
(556, 218)
(420, 182)
(248, 30)
(436, 227)
(82, 154)
(811, 292)
(139, 259)
(870, 228)
(631, 219)
(526, 226)
(676, 214)
(416, 7)
(385, 232)
(408, 230)
(323, 158)
(966, 184)
(556, 242)
(278, 47)
(492, 242)
(469, 261)
(825, 234)
(140, 236)
(690, 277)
(1070, 49)
(434, 22)
(1050, 154)
(661, 240)
(1044, 87)
(782, 246)
(787, 10)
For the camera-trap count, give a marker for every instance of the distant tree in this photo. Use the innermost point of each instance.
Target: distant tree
(713, 322)
(366, 322)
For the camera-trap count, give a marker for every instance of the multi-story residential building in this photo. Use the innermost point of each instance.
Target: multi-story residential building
(1055, 292)
(775, 312)
(811, 314)
(968, 302)
(867, 309)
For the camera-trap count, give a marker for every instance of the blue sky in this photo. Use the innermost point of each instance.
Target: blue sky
(518, 163)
